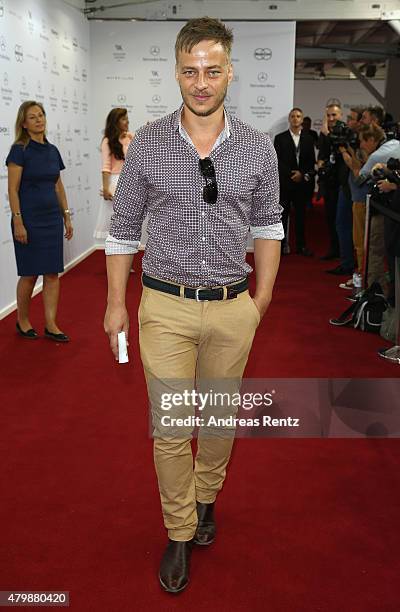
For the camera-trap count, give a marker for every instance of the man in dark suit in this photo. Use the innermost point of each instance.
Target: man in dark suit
(296, 162)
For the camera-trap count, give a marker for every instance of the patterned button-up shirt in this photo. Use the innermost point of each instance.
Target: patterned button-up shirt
(189, 241)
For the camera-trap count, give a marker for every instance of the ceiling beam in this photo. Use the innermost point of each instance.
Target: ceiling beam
(367, 84)
(364, 31)
(395, 23)
(323, 30)
(375, 53)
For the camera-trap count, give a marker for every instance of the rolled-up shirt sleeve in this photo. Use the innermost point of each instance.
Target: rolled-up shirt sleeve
(129, 205)
(266, 212)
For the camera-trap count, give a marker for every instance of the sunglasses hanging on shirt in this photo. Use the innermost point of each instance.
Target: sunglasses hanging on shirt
(210, 190)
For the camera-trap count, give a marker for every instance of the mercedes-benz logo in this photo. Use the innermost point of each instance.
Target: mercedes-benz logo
(19, 53)
(2, 44)
(261, 99)
(154, 50)
(227, 99)
(262, 77)
(5, 79)
(156, 99)
(263, 54)
(23, 83)
(121, 98)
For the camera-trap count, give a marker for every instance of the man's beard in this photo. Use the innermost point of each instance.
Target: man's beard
(206, 113)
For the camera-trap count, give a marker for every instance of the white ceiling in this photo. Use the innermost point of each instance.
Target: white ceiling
(327, 31)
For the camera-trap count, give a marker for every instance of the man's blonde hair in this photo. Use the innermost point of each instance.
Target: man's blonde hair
(203, 28)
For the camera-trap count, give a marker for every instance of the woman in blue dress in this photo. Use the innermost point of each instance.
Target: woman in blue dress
(39, 213)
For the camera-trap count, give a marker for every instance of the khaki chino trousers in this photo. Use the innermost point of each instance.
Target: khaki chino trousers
(184, 343)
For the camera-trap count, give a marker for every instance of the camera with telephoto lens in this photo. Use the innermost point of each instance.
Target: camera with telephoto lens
(343, 136)
(390, 173)
(339, 136)
(392, 130)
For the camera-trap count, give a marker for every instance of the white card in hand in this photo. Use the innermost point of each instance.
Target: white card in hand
(122, 348)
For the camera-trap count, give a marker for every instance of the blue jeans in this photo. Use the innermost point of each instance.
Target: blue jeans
(344, 228)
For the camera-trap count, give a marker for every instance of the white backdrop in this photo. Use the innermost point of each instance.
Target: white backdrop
(312, 96)
(44, 55)
(133, 66)
(49, 53)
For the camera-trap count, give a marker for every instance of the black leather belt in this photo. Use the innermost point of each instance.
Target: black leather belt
(200, 294)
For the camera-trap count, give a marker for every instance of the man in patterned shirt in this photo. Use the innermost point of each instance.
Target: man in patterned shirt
(204, 178)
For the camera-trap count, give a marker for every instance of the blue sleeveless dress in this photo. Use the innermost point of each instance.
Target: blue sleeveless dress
(40, 210)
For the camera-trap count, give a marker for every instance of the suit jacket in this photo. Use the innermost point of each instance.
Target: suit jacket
(287, 160)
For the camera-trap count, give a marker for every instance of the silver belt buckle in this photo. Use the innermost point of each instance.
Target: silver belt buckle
(196, 293)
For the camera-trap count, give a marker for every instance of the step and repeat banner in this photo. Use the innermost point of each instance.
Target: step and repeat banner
(44, 56)
(49, 53)
(133, 66)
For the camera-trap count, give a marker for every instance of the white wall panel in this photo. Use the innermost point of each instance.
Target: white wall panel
(44, 56)
(133, 66)
(312, 96)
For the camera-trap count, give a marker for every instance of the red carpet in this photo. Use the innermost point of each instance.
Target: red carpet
(304, 525)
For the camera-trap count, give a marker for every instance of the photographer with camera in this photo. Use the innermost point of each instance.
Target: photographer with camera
(333, 178)
(327, 179)
(373, 115)
(379, 150)
(358, 193)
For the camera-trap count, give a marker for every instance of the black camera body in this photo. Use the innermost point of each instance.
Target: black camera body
(391, 173)
(339, 136)
(392, 130)
(343, 136)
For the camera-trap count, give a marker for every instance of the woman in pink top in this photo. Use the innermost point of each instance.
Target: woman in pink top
(113, 150)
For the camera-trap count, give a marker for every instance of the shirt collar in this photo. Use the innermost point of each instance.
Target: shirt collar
(224, 135)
